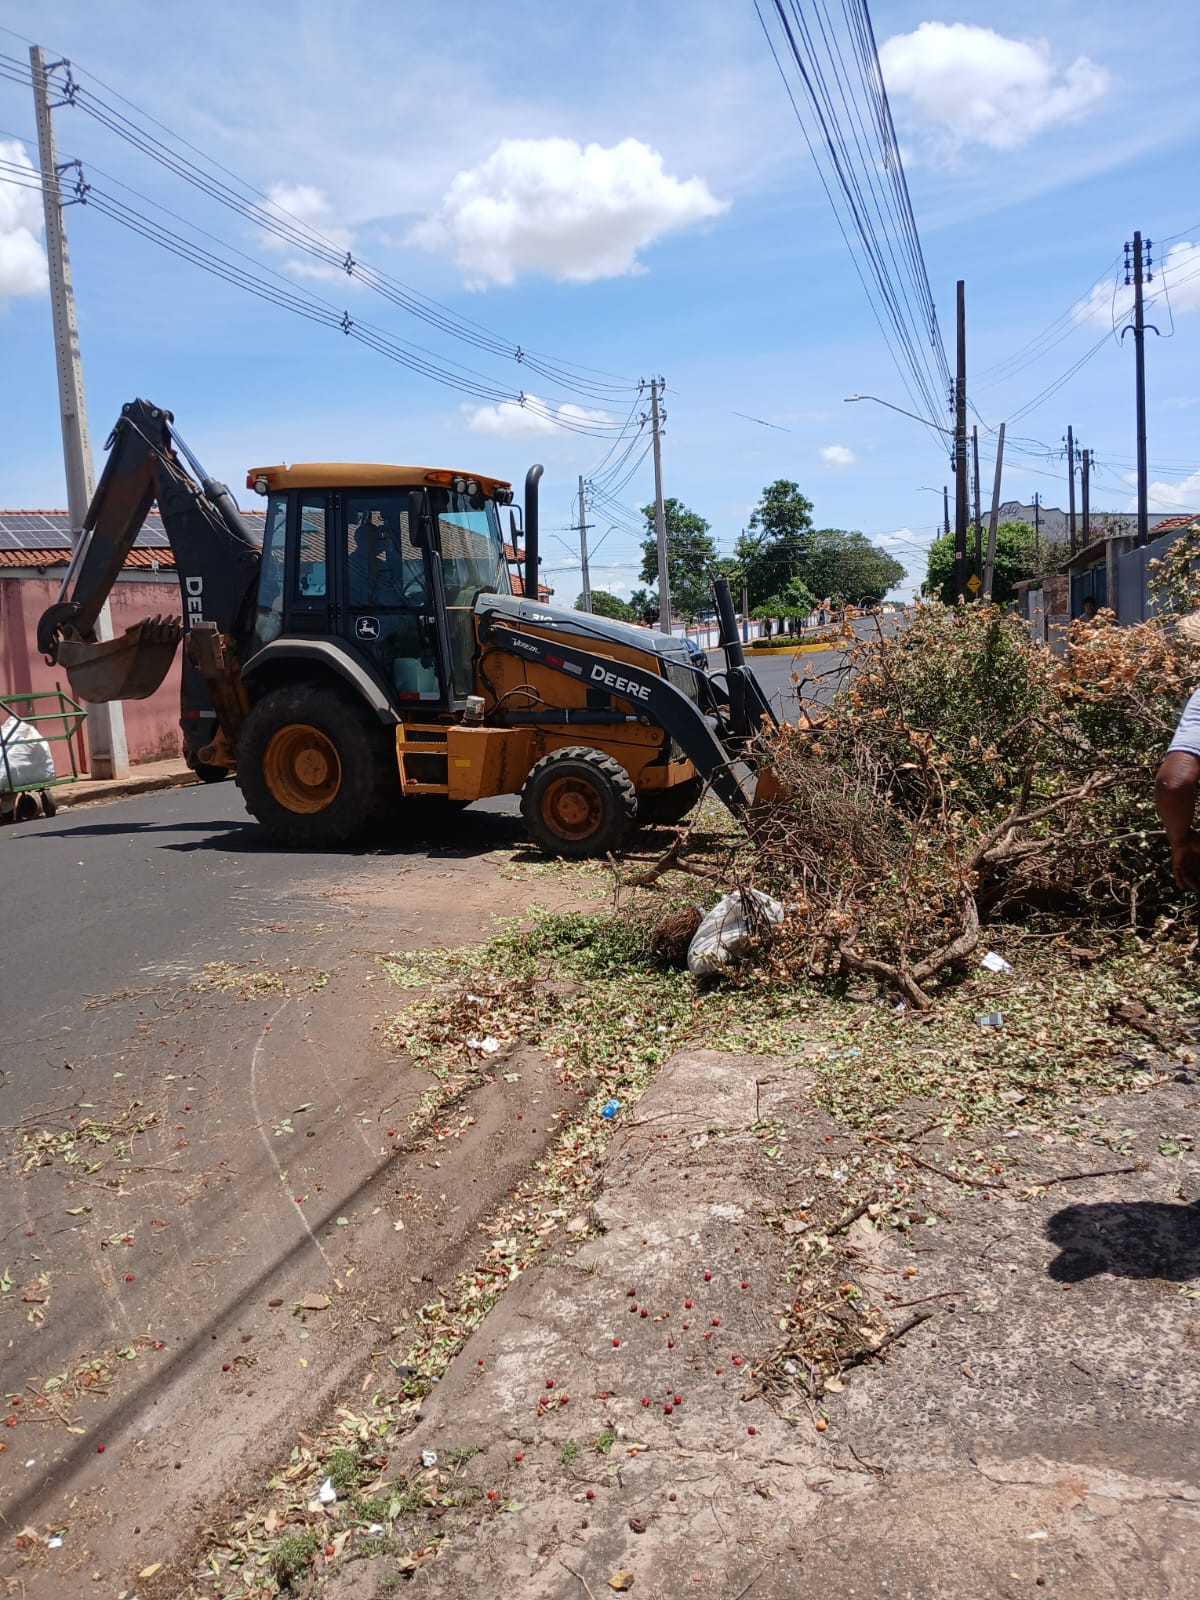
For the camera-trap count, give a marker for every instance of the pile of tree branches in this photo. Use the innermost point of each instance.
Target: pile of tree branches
(965, 774)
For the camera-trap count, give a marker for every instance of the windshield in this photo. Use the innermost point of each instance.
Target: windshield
(472, 549)
(473, 563)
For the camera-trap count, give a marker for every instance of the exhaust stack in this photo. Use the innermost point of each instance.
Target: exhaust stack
(532, 558)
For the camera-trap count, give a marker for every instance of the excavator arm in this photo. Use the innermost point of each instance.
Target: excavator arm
(216, 558)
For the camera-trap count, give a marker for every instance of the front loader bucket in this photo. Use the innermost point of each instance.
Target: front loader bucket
(129, 668)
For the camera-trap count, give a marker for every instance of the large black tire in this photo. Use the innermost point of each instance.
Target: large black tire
(663, 807)
(577, 802)
(314, 765)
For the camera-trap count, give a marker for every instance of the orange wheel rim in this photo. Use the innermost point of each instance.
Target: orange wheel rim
(302, 769)
(571, 807)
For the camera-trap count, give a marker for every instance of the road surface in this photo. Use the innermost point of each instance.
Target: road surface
(201, 1124)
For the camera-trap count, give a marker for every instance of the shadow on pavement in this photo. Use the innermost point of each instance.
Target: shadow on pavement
(1126, 1239)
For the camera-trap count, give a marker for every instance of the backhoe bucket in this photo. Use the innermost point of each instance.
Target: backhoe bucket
(129, 668)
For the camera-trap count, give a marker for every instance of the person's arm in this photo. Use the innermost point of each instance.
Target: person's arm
(1175, 790)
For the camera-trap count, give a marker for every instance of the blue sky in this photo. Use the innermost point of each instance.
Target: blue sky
(624, 189)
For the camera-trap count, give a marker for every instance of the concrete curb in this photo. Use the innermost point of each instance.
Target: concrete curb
(92, 791)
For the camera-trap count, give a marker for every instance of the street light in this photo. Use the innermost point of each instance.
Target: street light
(925, 422)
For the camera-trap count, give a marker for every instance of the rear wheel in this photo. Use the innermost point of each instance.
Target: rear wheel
(662, 807)
(578, 802)
(313, 765)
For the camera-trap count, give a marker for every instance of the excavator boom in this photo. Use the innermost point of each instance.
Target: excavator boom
(216, 557)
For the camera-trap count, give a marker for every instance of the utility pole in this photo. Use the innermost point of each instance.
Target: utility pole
(1037, 529)
(660, 520)
(959, 587)
(946, 510)
(978, 521)
(583, 561)
(106, 723)
(990, 573)
(1085, 469)
(745, 598)
(1071, 486)
(1141, 273)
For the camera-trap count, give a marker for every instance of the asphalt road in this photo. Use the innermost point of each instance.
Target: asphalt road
(126, 894)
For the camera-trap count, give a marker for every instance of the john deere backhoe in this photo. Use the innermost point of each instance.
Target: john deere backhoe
(371, 650)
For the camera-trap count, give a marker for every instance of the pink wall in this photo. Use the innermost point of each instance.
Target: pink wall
(151, 726)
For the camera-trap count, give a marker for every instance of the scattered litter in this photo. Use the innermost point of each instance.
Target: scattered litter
(610, 1109)
(995, 963)
(1040, 1534)
(55, 1543)
(485, 1047)
(622, 1578)
(790, 1368)
(327, 1494)
(994, 1019)
(375, 1529)
(725, 935)
(899, 1008)
(429, 1458)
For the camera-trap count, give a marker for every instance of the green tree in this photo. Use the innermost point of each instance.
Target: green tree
(844, 566)
(792, 604)
(644, 605)
(771, 552)
(609, 605)
(691, 559)
(1015, 548)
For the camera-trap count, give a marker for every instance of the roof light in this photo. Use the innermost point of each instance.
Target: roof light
(472, 487)
(260, 485)
(460, 486)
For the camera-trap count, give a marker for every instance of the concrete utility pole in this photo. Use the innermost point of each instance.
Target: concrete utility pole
(660, 520)
(959, 588)
(990, 573)
(977, 519)
(583, 561)
(1085, 469)
(946, 510)
(1071, 486)
(106, 723)
(1037, 529)
(1141, 273)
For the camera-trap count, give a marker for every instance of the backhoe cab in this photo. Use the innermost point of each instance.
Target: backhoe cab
(372, 653)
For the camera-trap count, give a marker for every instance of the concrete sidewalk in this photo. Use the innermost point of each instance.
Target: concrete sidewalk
(141, 780)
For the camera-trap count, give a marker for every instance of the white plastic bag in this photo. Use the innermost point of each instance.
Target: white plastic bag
(724, 936)
(26, 759)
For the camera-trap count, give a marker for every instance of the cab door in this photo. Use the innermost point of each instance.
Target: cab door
(386, 606)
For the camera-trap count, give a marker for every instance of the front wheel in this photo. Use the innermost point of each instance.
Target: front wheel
(578, 802)
(313, 765)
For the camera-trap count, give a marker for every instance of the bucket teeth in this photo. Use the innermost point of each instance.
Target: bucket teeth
(129, 668)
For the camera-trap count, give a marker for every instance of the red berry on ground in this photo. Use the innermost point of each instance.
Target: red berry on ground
(667, 1408)
(549, 1383)
(745, 1285)
(751, 1429)
(678, 1399)
(520, 1456)
(616, 1344)
(708, 1277)
(645, 1313)
(687, 1305)
(716, 1322)
(591, 1494)
(491, 1494)
(670, 1344)
(99, 1449)
(645, 1402)
(328, 1549)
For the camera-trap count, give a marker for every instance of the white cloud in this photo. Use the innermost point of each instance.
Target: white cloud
(1176, 283)
(1181, 496)
(837, 456)
(305, 204)
(573, 212)
(512, 420)
(22, 259)
(969, 85)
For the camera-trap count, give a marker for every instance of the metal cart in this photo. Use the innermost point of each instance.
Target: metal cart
(56, 719)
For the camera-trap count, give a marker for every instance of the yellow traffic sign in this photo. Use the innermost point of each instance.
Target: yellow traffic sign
(974, 583)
